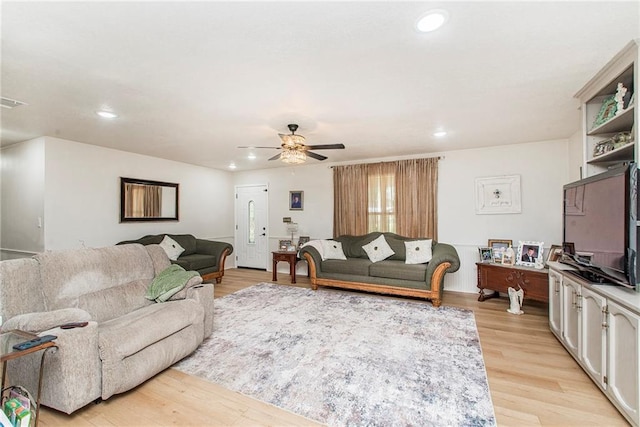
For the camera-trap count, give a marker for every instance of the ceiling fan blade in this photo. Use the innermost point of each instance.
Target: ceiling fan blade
(277, 156)
(251, 146)
(325, 147)
(316, 156)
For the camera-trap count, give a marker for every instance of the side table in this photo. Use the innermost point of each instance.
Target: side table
(7, 353)
(288, 256)
(500, 278)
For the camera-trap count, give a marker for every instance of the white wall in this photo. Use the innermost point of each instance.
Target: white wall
(82, 198)
(576, 157)
(542, 167)
(316, 218)
(22, 194)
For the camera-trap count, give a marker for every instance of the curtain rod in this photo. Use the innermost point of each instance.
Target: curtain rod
(435, 157)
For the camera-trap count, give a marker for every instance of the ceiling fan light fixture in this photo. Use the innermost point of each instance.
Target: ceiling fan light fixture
(293, 156)
(292, 140)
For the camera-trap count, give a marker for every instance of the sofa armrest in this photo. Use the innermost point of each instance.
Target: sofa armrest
(211, 247)
(218, 249)
(314, 260)
(42, 321)
(203, 293)
(444, 260)
(71, 375)
(183, 293)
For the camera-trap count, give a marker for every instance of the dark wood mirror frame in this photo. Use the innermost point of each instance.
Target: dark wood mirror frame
(167, 197)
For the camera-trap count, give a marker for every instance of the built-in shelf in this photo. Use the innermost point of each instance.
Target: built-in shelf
(619, 123)
(620, 154)
(622, 69)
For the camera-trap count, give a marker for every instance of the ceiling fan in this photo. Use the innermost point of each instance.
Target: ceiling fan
(294, 149)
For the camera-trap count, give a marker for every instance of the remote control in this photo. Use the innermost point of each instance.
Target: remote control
(34, 342)
(74, 325)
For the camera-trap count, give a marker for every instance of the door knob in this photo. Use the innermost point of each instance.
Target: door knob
(263, 234)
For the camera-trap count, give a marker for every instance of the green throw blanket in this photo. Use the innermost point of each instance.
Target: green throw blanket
(168, 283)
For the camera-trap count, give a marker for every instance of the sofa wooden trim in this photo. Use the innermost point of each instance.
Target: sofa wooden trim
(435, 294)
(218, 275)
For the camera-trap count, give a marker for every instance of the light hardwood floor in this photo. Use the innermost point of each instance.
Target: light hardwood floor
(533, 380)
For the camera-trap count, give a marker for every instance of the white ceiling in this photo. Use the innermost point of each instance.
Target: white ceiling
(192, 81)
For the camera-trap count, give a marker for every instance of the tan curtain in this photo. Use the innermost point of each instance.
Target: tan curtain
(396, 196)
(142, 201)
(152, 201)
(382, 195)
(349, 200)
(417, 197)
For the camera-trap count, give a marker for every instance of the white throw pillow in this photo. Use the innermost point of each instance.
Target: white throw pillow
(418, 251)
(378, 249)
(332, 250)
(171, 247)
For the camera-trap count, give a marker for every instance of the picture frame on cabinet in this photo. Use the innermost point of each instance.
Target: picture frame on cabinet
(486, 254)
(555, 252)
(568, 248)
(499, 247)
(528, 252)
(607, 111)
(283, 245)
(509, 257)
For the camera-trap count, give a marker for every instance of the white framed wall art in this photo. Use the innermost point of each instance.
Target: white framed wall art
(498, 195)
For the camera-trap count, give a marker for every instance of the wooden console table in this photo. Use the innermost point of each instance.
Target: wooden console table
(500, 278)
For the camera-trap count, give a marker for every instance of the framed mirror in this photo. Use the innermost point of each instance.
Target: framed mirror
(144, 200)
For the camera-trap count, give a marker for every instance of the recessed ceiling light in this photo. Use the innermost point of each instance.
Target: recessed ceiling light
(440, 133)
(251, 156)
(432, 20)
(232, 166)
(106, 114)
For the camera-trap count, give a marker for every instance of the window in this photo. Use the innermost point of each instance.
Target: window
(381, 202)
(252, 221)
(398, 197)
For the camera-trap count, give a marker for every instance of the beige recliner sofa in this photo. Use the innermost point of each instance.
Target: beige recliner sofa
(128, 338)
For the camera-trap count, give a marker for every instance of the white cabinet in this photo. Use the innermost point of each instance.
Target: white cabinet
(555, 286)
(599, 325)
(624, 360)
(571, 326)
(602, 143)
(593, 338)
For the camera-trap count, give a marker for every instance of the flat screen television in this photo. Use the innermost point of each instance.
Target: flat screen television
(600, 220)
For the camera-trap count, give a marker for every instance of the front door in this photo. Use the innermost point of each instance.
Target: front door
(252, 237)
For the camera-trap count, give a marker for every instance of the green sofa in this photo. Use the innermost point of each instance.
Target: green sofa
(207, 257)
(390, 276)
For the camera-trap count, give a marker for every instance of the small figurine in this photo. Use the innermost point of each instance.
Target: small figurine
(620, 93)
(516, 298)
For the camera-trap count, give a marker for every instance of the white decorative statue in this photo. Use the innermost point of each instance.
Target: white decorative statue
(619, 98)
(516, 298)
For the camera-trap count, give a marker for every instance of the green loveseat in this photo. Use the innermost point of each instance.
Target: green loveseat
(390, 276)
(207, 257)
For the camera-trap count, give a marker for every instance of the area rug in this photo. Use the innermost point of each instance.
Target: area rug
(347, 359)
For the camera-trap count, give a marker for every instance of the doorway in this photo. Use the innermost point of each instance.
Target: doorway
(251, 234)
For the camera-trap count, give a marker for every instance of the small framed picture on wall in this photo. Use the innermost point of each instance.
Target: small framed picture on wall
(296, 200)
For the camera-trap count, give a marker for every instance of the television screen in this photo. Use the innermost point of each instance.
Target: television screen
(595, 218)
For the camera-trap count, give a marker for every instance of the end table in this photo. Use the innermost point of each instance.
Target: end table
(7, 353)
(288, 256)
